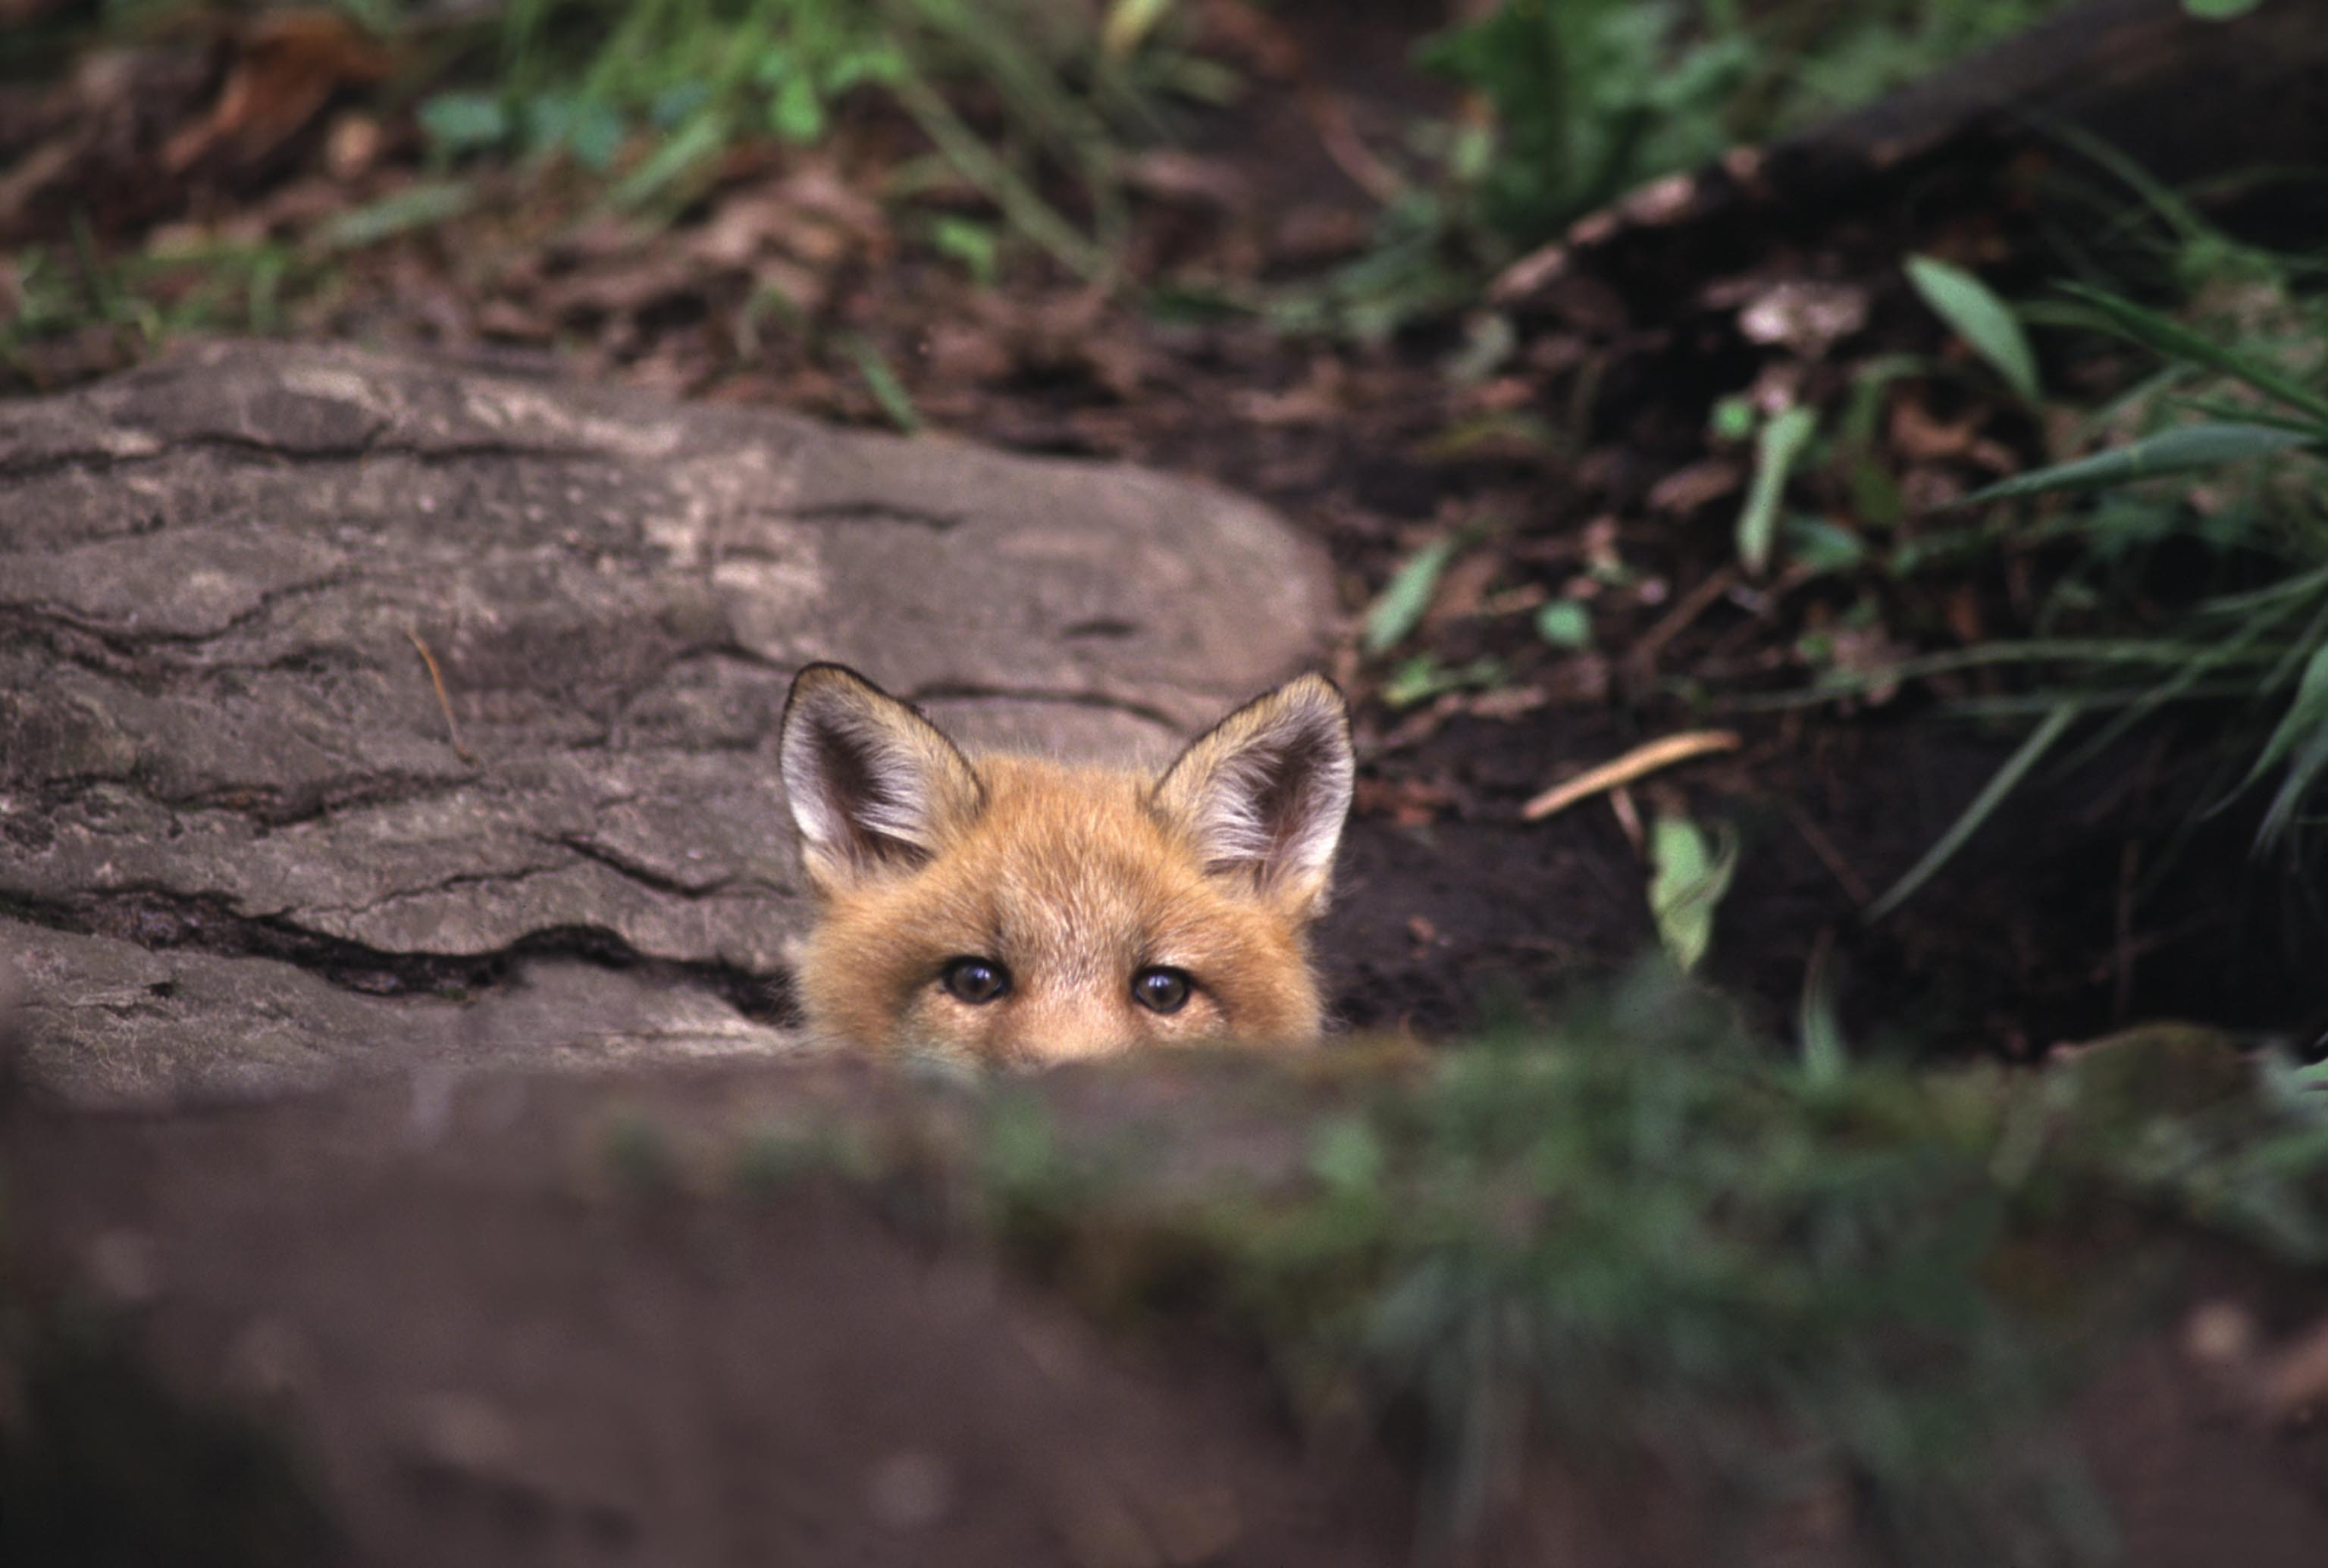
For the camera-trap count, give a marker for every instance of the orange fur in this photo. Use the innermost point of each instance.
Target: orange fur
(1073, 881)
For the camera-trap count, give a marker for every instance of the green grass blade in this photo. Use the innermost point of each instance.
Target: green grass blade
(1826, 1055)
(2131, 651)
(2306, 718)
(2304, 771)
(684, 151)
(1993, 794)
(1973, 310)
(414, 208)
(2173, 341)
(896, 403)
(2186, 449)
(2301, 655)
(2191, 682)
(2240, 605)
(2235, 414)
(2131, 707)
(1018, 200)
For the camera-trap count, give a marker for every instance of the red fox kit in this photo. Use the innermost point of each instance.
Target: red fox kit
(1016, 911)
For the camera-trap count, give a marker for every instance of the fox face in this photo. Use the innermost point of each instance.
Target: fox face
(1015, 911)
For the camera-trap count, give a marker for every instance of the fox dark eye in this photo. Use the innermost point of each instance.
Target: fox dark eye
(976, 980)
(1161, 990)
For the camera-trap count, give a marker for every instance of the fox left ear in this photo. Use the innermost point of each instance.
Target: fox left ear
(1265, 791)
(873, 785)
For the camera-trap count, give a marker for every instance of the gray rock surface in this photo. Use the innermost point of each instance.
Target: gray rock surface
(244, 843)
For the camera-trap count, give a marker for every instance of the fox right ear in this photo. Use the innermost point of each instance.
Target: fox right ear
(871, 782)
(1264, 791)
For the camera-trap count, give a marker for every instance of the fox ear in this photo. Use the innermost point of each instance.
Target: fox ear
(1264, 791)
(872, 784)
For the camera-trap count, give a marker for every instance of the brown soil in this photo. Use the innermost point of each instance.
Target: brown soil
(2039, 933)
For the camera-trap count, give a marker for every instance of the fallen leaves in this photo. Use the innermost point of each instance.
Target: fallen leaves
(287, 65)
(1806, 317)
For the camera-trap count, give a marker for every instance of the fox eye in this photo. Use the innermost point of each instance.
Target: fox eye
(1161, 990)
(976, 980)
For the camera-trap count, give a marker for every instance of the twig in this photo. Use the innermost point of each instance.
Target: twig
(443, 702)
(1636, 763)
(1642, 657)
(1330, 116)
(1629, 820)
(1854, 886)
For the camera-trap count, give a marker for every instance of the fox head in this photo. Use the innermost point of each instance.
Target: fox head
(1015, 911)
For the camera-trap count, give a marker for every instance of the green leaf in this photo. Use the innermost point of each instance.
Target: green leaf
(1129, 23)
(1414, 680)
(585, 128)
(1422, 677)
(1822, 544)
(2220, 10)
(1399, 608)
(797, 113)
(463, 122)
(1776, 451)
(1565, 623)
(1691, 876)
(1973, 310)
(973, 243)
(2184, 449)
(675, 105)
(1731, 418)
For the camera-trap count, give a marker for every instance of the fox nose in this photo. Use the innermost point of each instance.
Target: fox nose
(1061, 1029)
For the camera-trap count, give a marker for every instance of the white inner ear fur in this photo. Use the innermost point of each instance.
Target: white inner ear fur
(1267, 791)
(889, 797)
(859, 767)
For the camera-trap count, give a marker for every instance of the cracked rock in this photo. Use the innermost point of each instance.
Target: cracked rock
(245, 841)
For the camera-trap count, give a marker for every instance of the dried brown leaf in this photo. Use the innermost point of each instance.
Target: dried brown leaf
(1921, 438)
(287, 65)
(1806, 317)
(1686, 490)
